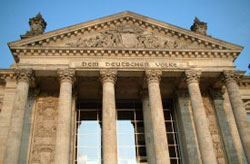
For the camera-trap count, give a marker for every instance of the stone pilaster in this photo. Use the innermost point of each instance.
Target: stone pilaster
(200, 119)
(226, 134)
(23, 77)
(109, 135)
(160, 143)
(7, 108)
(63, 132)
(187, 132)
(230, 80)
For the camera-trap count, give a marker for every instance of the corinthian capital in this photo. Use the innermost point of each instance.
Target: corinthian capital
(66, 75)
(192, 76)
(230, 77)
(108, 76)
(153, 76)
(24, 75)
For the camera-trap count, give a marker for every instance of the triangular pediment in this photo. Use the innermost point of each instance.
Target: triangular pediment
(125, 30)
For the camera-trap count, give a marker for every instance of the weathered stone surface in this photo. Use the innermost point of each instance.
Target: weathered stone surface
(160, 143)
(199, 26)
(63, 132)
(187, 130)
(213, 128)
(200, 119)
(44, 131)
(37, 26)
(24, 77)
(238, 109)
(109, 135)
(123, 48)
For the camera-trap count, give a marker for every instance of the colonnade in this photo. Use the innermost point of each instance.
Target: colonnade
(155, 131)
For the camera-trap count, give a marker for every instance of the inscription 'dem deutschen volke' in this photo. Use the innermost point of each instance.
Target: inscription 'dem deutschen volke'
(131, 64)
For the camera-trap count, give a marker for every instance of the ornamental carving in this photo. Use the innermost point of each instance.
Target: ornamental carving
(24, 75)
(108, 76)
(199, 26)
(130, 36)
(37, 26)
(230, 77)
(44, 131)
(192, 76)
(153, 76)
(213, 128)
(66, 75)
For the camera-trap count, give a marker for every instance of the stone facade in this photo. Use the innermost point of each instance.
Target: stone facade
(44, 131)
(120, 57)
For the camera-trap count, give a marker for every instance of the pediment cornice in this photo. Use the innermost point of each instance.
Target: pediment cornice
(136, 33)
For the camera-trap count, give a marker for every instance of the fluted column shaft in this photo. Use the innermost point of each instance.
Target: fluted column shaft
(201, 123)
(239, 111)
(160, 143)
(109, 136)
(24, 77)
(63, 131)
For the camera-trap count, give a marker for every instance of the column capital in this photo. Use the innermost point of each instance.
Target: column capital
(23, 75)
(153, 76)
(66, 75)
(230, 76)
(192, 76)
(108, 76)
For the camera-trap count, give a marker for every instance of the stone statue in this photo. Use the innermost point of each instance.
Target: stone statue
(37, 26)
(199, 27)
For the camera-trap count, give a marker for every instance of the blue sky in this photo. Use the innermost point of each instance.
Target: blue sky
(227, 20)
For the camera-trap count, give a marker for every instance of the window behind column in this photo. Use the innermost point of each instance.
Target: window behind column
(88, 133)
(172, 133)
(130, 133)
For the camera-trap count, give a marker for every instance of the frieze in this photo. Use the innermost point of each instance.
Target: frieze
(131, 36)
(44, 131)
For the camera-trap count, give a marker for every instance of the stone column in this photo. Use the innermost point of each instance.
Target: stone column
(63, 131)
(200, 119)
(239, 110)
(147, 119)
(229, 146)
(160, 143)
(109, 136)
(24, 77)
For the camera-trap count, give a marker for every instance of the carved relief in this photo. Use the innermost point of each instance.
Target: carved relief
(130, 36)
(44, 131)
(213, 127)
